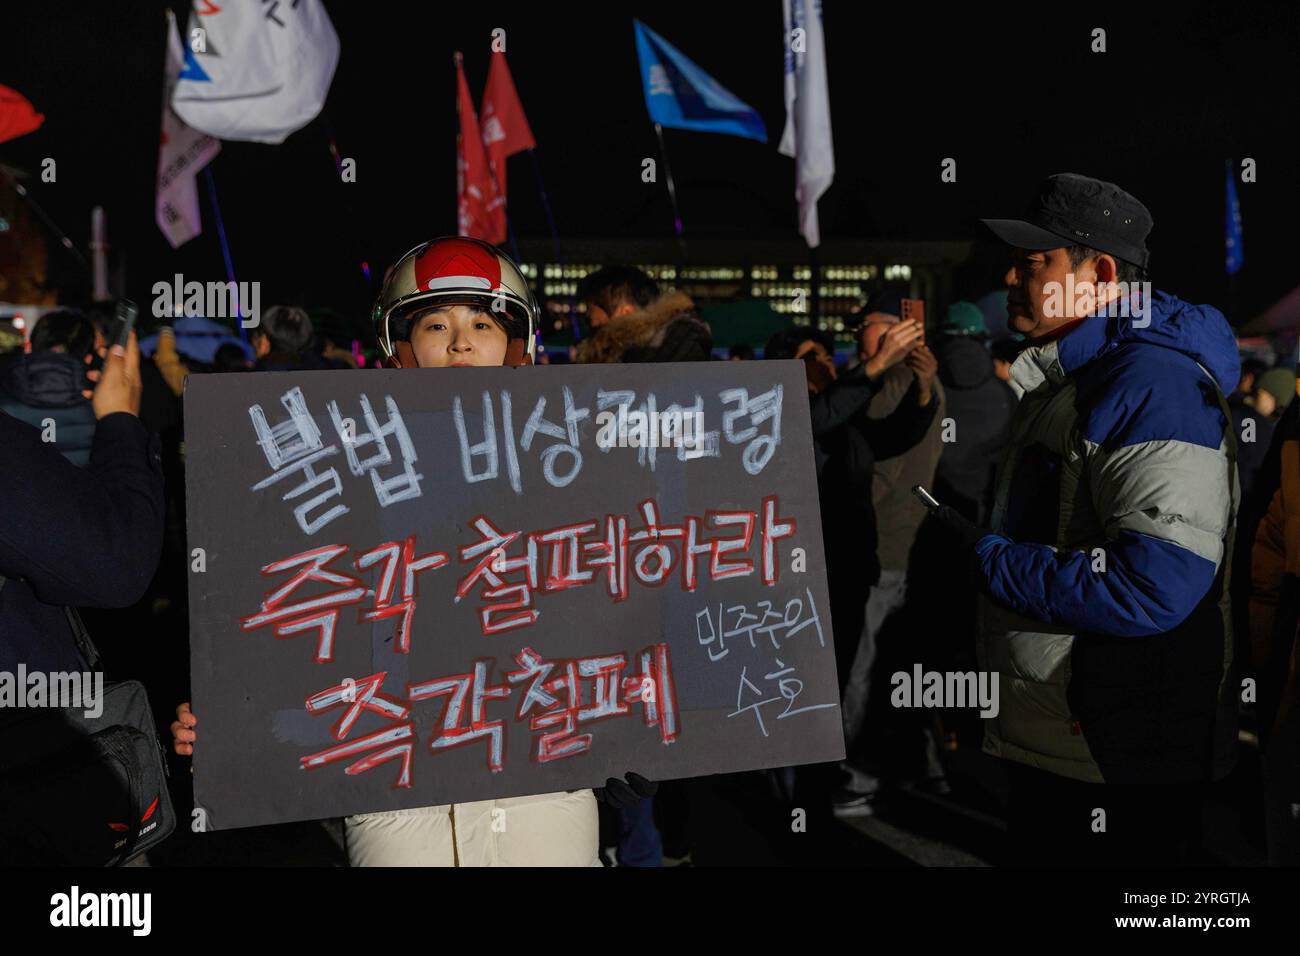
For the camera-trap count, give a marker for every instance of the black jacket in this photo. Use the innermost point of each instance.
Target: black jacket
(47, 385)
(847, 443)
(980, 405)
(73, 536)
(1250, 454)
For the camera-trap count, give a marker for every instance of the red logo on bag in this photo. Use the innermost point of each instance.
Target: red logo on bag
(122, 827)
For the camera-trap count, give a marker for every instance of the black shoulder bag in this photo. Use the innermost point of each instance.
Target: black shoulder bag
(78, 790)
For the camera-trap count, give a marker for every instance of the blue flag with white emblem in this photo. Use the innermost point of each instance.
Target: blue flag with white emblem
(1233, 225)
(680, 95)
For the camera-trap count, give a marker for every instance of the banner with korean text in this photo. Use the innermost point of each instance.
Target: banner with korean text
(420, 587)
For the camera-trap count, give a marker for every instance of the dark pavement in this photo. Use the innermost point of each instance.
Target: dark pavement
(741, 820)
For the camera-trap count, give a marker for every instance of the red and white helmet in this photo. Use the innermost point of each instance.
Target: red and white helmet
(456, 270)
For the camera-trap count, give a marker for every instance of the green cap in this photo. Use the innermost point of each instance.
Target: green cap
(1280, 383)
(963, 318)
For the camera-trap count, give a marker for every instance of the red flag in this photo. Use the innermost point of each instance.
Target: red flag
(482, 210)
(17, 117)
(505, 128)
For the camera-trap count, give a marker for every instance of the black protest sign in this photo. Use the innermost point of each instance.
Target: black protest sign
(422, 587)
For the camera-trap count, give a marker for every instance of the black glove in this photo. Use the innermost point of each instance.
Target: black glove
(967, 531)
(620, 795)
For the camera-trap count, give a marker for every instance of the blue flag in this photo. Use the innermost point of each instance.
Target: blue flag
(1233, 225)
(681, 95)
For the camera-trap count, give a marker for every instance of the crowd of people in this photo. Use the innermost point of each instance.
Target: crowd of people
(1098, 479)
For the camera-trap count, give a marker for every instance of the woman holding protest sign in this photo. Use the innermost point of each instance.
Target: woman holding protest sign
(456, 302)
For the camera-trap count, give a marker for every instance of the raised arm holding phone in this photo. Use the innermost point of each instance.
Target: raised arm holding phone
(77, 536)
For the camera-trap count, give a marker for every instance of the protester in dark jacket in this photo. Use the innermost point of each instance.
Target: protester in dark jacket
(937, 623)
(43, 388)
(77, 536)
(899, 514)
(1254, 435)
(980, 406)
(845, 444)
(632, 322)
(282, 341)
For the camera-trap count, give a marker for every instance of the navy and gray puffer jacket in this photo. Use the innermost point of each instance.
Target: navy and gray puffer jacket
(1106, 611)
(43, 389)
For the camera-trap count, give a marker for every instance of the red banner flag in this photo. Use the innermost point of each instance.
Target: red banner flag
(505, 128)
(481, 212)
(17, 117)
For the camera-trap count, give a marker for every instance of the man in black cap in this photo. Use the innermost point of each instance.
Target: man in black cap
(1080, 234)
(1104, 604)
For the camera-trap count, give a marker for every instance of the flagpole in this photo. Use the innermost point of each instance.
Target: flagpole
(672, 194)
(1232, 275)
(48, 222)
(338, 167)
(225, 249)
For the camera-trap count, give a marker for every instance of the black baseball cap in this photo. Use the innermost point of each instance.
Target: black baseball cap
(1070, 210)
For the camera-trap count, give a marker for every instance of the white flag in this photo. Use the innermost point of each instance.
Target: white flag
(182, 152)
(807, 135)
(256, 71)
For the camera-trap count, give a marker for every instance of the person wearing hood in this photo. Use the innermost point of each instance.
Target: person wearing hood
(980, 406)
(1103, 569)
(44, 387)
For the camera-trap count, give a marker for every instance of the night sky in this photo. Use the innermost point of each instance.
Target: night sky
(1013, 94)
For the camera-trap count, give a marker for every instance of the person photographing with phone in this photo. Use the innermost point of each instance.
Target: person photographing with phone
(846, 446)
(73, 536)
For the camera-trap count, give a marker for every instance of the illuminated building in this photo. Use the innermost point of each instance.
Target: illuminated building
(777, 273)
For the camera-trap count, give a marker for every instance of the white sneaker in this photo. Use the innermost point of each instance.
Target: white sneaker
(845, 803)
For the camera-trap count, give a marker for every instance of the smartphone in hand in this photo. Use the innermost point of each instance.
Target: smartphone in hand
(927, 499)
(117, 333)
(124, 316)
(914, 309)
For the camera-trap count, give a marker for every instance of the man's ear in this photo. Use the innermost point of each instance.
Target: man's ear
(1107, 268)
